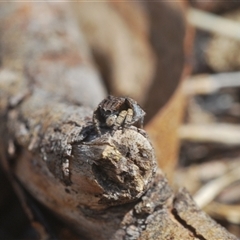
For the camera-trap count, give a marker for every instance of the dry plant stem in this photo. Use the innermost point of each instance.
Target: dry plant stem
(223, 211)
(227, 134)
(215, 6)
(213, 23)
(207, 84)
(192, 177)
(209, 191)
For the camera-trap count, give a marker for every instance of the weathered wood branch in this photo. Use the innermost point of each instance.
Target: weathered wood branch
(49, 51)
(104, 186)
(104, 171)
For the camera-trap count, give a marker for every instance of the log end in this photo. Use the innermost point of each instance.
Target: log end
(121, 164)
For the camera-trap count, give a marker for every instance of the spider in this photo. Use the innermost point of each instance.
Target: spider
(117, 112)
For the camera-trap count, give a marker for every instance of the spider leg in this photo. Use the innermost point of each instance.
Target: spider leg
(96, 123)
(141, 122)
(121, 118)
(65, 168)
(110, 121)
(128, 120)
(129, 117)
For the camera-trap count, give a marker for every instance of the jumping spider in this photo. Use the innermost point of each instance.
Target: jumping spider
(117, 112)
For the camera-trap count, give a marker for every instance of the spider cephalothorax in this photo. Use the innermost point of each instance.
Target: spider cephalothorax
(117, 112)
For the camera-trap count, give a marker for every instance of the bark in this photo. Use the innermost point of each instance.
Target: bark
(104, 186)
(48, 50)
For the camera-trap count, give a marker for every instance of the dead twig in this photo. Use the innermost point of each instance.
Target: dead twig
(207, 84)
(222, 133)
(223, 211)
(209, 191)
(213, 23)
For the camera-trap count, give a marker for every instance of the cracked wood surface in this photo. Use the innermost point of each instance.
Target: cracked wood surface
(113, 189)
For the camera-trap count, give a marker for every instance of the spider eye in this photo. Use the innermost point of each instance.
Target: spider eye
(107, 113)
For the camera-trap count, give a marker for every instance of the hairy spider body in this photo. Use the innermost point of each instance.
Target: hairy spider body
(117, 112)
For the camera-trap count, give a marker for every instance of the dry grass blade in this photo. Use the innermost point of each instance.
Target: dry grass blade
(209, 191)
(222, 133)
(207, 84)
(224, 211)
(213, 23)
